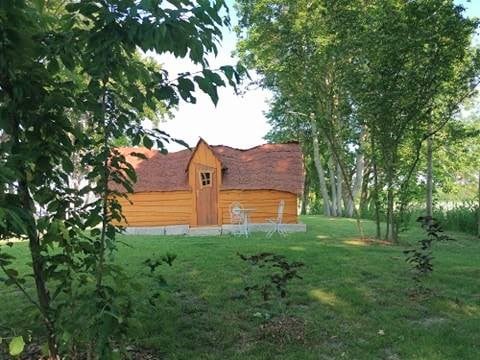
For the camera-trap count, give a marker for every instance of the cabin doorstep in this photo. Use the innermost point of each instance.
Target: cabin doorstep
(188, 189)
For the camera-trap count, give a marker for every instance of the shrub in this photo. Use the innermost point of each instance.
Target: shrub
(421, 257)
(462, 218)
(279, 272)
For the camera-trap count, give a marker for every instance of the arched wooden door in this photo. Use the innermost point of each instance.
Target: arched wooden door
(206, 195)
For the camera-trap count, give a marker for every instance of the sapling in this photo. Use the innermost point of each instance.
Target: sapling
(420, 257)
(280, 272)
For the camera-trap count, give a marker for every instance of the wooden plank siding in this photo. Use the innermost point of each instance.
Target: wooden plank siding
(176, 207)
(158, 208)
(265, 203)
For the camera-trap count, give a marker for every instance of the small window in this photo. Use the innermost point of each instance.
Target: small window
(206, 178)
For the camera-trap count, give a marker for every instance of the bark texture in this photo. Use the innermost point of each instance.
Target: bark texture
(319, 166)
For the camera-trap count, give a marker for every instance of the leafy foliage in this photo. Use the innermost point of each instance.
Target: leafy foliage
(279, 273)
(367, 95)
(421, 257)
(158, 279)
(72, 82)
(16, 346)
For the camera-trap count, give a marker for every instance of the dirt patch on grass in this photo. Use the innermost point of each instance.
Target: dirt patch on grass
(283, 330)
(245, 342)
(366, 242)
(421, 293)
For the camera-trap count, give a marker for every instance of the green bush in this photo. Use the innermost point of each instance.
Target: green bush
(462, 218)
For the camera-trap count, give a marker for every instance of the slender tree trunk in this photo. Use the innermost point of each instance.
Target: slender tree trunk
(38, 267)
(390, 233)
(317, 159)
(358, 181)
(359, 170)
(105, 194)
(429, 204)
(333, 185)
(478, 209)
(376, 189)
(390, 166)
(346, 200)
(306, 191)
(364, 192)
(339, 190)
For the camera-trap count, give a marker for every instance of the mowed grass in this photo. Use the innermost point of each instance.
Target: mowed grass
(353, 300)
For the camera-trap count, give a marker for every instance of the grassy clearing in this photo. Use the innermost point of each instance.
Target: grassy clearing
(353, 302)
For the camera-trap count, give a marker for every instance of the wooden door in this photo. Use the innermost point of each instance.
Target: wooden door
(206, 193)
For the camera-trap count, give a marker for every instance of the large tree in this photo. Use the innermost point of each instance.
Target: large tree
(292, 45)
(374, 78)
(412, 66)
(65, 61)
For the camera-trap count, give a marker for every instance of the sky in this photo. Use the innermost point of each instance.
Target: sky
(237, 120)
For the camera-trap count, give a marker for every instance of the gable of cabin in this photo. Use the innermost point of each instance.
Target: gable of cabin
(205, 199)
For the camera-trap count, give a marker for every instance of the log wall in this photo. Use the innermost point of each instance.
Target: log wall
(264, 202)
(158, 208)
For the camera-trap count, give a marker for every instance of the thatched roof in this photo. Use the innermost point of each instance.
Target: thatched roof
(266, 167)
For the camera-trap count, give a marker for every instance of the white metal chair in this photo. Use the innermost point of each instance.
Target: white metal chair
(237, 216)
(278, 221)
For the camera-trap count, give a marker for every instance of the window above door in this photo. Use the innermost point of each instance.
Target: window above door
(205, 178)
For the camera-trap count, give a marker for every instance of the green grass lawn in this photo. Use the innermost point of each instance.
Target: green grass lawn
(353, 301)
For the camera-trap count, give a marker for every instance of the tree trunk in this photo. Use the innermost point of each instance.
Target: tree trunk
(365, 194)
(429, 203)
(339, 190)
(306, 190)
(390, 233)
(38, 267)
(478, 209)
(317, 159)
(358, 182)
(346, 200)
(376, 189)
(333, 186)
(359, 170)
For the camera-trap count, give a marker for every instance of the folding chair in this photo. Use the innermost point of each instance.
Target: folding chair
(237, 216)
(277, 222)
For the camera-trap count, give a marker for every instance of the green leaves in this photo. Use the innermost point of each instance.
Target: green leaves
(147, 142)
(16, 346)
(6, 259)
(395, 70)
(207, 87)
(276, 273)
(73, 87)
(185, 88)
(208, 83)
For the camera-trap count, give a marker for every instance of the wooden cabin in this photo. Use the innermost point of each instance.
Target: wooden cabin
(196, 187)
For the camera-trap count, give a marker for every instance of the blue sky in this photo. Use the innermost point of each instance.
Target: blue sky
(472, 7)
(237, 121)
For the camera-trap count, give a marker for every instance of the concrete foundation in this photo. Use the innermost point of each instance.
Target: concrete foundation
(154, 230)
(290, 228)
(205, 231)
(212, 230)
(177, 229)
